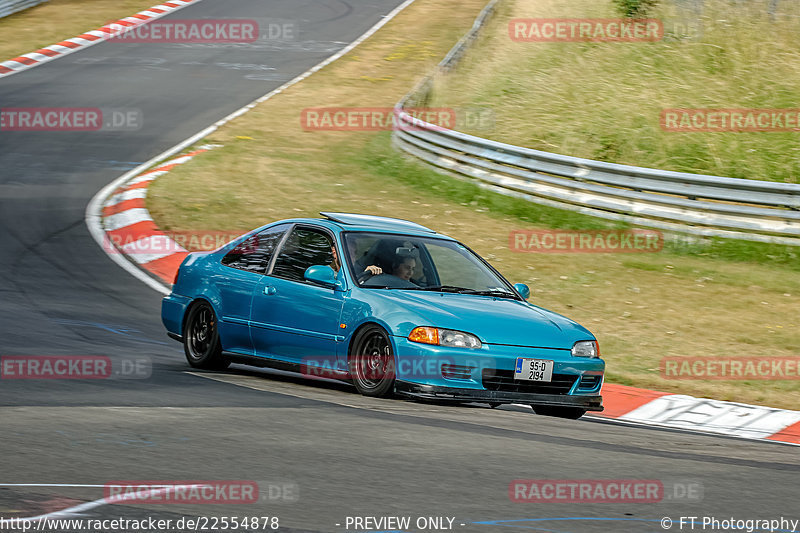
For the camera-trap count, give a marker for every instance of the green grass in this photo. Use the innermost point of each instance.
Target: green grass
(380, 158)
(603, 101)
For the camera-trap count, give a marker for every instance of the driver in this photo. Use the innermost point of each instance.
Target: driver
(403, 267)
(362, 270)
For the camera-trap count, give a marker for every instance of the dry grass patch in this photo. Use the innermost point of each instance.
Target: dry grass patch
(57, 20)
(604, 100)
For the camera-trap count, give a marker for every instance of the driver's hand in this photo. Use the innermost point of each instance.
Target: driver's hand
(374, 270)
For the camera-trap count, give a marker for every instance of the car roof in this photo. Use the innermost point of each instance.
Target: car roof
(340, 222)
(354, 220)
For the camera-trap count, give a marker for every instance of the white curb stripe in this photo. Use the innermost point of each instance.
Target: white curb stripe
(34, 56)
(150, 248)
(127, 195)
(178, 161)
(150, 176)
(715, 416)
(57, 48)
(13, 65)
(126, 218)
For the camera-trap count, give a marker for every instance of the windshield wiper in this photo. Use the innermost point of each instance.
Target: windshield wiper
(395, 288)
(495, 292)
(446, 288)
(465, 290)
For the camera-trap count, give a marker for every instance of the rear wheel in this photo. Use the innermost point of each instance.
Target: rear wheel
(573, 413)
(371, 362)
(201, 339)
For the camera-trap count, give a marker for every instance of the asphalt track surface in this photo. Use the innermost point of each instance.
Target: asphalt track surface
(344, 455)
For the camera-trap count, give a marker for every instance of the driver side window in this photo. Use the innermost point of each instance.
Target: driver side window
(303, 248)
(253, 254)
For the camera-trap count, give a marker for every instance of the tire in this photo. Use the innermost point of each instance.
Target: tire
(371, 362)
(572, 413)
(201, 339)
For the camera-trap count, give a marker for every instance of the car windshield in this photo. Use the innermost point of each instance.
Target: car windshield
(379, 260)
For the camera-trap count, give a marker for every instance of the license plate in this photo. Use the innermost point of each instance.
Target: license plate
(533, 369)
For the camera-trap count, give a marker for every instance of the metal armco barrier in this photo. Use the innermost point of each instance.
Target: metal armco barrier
(8, 7)
(676, 201)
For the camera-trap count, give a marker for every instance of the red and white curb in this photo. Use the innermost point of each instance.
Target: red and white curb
(652, 408)
(84, 40)
(131, 232)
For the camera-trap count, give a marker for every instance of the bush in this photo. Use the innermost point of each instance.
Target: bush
(635, 8)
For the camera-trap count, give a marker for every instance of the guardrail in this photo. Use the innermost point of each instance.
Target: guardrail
(8, 7)
(676, 201)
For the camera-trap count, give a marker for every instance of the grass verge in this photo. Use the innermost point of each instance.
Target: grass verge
(603, 100)
(642, 307)
(57, 20)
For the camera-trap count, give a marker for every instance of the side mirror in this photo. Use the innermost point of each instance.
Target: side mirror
(523, 290)
(323, 275)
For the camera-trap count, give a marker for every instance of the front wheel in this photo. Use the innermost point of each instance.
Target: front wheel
(572, 413)
(371, 362)
(201, 339)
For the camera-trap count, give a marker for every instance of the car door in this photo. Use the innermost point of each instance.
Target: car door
(292, 319)
(237, 277)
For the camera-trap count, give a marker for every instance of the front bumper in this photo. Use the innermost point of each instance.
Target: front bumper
(486, 374)
(433, 392)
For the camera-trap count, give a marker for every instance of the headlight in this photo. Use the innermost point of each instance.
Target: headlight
(444, 337)
(586, 349)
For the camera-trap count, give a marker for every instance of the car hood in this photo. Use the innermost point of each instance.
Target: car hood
(493, 320)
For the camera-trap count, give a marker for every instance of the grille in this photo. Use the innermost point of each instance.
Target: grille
(503, 380)
(457, 371)
(589, 382)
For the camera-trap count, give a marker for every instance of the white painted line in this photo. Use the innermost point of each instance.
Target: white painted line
(77, 509)
(50, 485)
(93, 215)
(126, 218)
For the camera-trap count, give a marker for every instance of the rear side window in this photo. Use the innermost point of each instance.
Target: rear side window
(303, 248)
(253, 254)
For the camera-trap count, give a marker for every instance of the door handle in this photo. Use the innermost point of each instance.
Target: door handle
(269, 290)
